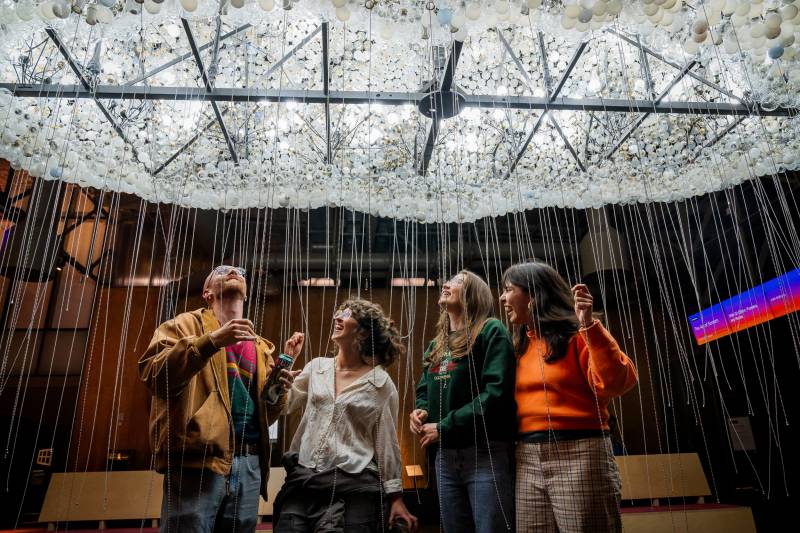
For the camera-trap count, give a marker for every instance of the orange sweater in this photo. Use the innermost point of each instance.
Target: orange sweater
(561, 395)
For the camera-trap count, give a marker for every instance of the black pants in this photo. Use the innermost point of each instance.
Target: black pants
(331, 501)
(314, 513)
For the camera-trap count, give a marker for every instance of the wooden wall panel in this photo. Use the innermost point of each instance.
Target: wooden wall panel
(113, 406)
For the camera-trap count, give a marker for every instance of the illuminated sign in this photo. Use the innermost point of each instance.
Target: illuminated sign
(769, 300)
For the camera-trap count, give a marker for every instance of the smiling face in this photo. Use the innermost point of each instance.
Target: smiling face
(451, 292)
(516, 302)
(225, 282)
(345, 327)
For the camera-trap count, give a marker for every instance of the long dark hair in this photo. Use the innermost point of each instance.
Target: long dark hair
(552, 311)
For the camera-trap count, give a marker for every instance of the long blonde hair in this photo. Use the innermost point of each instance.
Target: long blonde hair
(477, 302)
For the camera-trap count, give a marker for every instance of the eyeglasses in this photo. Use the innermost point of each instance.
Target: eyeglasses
(344, 314)
(225, 269)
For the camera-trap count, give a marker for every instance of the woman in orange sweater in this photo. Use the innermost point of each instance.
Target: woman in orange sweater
(569, 367)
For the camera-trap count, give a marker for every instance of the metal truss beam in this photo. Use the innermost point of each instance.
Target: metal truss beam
(718, 137)
(184, 57)
(548, 105)
(209, 88)
(443, 86)
(188, 144)
(515, 59)
(548, 81)
(568, 144)
(208, 126)
(552, 119)
(279, 63)
(646, 74)
(638, 122)
(660, 57)
(77, 265)
(326, 91)
(88, 88)
(177, 94)
(9, 212)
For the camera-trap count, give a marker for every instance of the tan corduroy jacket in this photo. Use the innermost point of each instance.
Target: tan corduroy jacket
(191, 407)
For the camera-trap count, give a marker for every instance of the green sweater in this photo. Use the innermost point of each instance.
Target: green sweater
(456, 401)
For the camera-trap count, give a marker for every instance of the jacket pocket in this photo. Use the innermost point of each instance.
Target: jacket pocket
(207, 430)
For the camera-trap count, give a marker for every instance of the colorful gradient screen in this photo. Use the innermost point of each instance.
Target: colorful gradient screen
(775, 298)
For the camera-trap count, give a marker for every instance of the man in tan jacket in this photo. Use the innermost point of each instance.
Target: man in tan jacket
(206, 370)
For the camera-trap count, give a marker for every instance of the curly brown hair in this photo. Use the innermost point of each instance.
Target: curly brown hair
(377, 333)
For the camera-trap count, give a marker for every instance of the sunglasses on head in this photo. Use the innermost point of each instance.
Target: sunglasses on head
(344, 314)
(225, 269)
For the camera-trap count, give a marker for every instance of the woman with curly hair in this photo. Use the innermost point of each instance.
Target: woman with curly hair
(343, 466)
(568, 370)
(465, 410)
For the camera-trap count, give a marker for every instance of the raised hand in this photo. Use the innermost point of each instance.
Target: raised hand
(294, 345)
(583, 305)
(233, 331)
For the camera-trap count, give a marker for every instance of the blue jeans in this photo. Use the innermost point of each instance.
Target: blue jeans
(200, 501)
(476, 488)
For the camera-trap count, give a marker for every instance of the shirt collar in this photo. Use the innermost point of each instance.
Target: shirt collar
(377, 376)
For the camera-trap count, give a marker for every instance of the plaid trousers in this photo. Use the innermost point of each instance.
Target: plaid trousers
(571, 486)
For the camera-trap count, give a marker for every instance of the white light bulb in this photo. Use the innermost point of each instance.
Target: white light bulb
(343, 14)
(25, 10)
(743, 8)
(614, 7)
(189, 5)
(46, 10)
(151, 7)
(572, 11)
(104, 15)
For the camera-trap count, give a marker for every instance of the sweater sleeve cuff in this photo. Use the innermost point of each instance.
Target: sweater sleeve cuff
(596, 333)
(392, 486)
(204, 346)
(591, 326)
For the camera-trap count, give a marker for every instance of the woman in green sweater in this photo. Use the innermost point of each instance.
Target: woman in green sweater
(465, 410)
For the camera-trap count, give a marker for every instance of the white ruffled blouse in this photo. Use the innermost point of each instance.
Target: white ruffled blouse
(353, 431)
